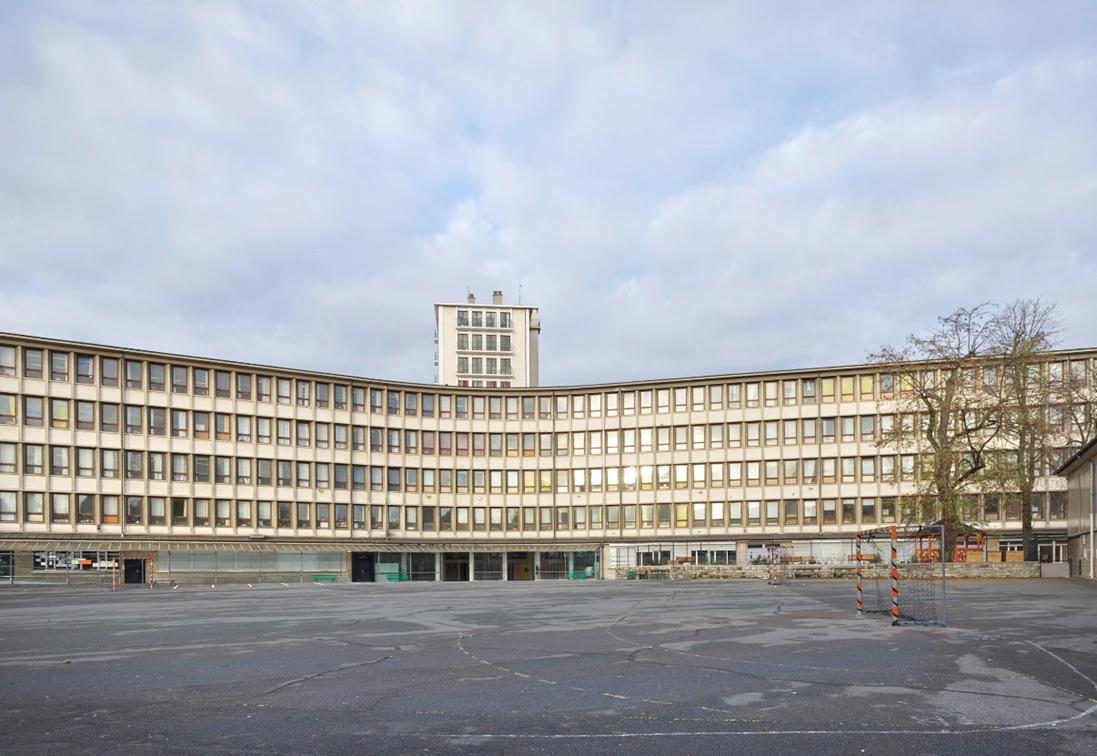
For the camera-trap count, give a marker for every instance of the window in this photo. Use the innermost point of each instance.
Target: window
(304, 393)
(85, 416)
(789, 431)
(59, 460)
(868, 469)
(221, 470)
(222, 383)
(809, 427)
(262, 388)
(7, 409)
(283, 427)
(32, 363)
(156, 421)
(156, 377)
(7, 458)
(8, 509)
(178, 379)
(59, 366)
(133, 420)
(108, 463)
(201, 385)
(809, 470)
(283, 391)
(135, 465)
(284, 475)
(178, 423)
(7, 360)
(179, 511)
(108, 369)
(868, 427)
(179, 467)
(33, 411)
(201, 468)
(847, 424)
(807, 389)
(59, 413)
(133, 374)
(222, 426)
(263, 472)
(243, 428)
(156, 465)
(243, 386)
(59, 507)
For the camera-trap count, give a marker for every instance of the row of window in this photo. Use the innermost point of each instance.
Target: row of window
(484, 366)
(483, 319)
(159, 421)
(182, 379)
(184, 512)
(478, 342)
(64, 461)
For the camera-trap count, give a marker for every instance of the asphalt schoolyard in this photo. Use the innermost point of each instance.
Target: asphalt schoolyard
(575, 667)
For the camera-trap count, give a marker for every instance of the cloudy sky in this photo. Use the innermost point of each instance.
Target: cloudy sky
(682, 188)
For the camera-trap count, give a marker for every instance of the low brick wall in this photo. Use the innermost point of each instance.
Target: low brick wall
(954, 570)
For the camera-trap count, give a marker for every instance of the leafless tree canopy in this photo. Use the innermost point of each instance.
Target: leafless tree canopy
(981, 404)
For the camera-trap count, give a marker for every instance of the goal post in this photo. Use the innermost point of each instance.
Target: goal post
(900, 574)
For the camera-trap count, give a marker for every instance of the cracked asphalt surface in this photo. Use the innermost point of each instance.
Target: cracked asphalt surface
(578, 667)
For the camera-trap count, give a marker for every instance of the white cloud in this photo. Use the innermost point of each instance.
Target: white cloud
(681, 190)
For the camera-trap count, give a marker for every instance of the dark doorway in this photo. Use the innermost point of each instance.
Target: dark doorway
(134, 571)
(455, 567)
(520, 565)
(361, 567)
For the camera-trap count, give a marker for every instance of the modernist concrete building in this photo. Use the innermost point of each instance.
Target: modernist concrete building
(194, 468)
(1082, 509)
(486, 346)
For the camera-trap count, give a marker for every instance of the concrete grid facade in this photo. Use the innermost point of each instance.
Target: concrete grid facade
(194, 465)
(1080, 471)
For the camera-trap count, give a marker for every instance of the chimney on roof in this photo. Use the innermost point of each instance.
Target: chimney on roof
(472, 298)
(497, 297)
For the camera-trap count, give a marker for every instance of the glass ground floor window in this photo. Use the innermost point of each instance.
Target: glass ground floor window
(74, 560)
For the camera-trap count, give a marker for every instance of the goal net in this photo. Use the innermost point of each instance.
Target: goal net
(899, 574)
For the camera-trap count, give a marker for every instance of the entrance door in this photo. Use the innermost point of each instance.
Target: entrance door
(455, 567)
(520, 565)
(133, 571)
(361, 567)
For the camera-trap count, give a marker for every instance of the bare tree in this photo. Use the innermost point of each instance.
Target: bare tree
(1043, 401)
(945, 414)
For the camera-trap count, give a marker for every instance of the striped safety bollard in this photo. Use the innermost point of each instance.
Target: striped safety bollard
(894, 576)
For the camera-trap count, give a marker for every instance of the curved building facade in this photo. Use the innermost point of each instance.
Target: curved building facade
(173, 467)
